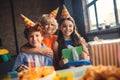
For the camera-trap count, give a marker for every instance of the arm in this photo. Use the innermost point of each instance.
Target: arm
(44, 51)
(19, 66)
(83, 43)
(55, 58)
(58, 63)
(85, 49)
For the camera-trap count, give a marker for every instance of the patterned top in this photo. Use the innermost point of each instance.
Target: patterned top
(22, 58)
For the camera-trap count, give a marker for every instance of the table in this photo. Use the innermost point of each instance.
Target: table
(78, 72)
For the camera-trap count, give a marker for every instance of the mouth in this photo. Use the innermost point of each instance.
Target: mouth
(67, 32)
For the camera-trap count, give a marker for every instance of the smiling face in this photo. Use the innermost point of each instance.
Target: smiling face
(67, 28)
(35, 39)
(34, 35)
(49, 23)
(49, 26)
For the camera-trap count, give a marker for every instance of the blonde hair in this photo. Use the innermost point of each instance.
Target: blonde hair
(46, 17)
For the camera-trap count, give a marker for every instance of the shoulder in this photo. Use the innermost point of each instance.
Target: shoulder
(55, 44)
(22, 53)
(27, 45)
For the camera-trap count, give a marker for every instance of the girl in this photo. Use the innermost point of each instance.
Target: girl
(50, 26)
(68, 35)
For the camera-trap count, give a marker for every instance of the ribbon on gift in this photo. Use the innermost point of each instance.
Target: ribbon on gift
(74, 53)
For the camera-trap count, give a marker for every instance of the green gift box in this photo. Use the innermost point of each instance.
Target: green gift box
(67, 52)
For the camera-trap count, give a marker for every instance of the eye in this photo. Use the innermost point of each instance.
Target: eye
(37, 35)
(70, 26)
(53, 24)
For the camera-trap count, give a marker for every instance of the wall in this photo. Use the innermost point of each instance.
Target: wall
(9, 23)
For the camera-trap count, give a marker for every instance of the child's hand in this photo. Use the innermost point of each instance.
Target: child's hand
(83, 42)
(22, 68)
(63, 61)
(47, 51)
(84, 56)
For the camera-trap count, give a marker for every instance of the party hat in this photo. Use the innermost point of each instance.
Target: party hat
(28, 23)
(54, 13)
(65, 13)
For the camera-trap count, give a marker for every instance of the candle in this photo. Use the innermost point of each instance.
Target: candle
(37, 64)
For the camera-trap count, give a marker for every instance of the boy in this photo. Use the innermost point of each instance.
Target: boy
(34, 34)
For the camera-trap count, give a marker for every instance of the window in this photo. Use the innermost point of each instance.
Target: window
(118, 9)
(89, 1)
(92, 19)
(103, 13)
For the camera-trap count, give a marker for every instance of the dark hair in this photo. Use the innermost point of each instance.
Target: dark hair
(36, 27)
(75, 37)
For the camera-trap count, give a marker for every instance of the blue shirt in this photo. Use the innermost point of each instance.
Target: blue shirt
(22, 58)
(68, 42)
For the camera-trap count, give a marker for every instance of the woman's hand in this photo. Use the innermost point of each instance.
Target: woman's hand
(22, 68)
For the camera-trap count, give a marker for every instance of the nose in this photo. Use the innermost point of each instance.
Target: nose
(49, 25)
(67, 27)
(34, 37)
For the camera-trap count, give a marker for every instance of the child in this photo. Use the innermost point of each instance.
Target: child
(50, 26)
(68, 35)
(34, 34)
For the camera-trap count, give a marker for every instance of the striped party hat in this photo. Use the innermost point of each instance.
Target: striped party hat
(65, 13)
(28, 23)
(54, 13)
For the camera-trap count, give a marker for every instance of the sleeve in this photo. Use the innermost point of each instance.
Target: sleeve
(18, 61)
(55, 37)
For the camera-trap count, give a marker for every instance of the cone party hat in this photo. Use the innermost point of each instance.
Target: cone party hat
(54, 13)
(65, 13)
(28, 23)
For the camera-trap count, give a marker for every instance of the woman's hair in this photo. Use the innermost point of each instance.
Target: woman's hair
(45, 18)
(36, 27)
(75, 37)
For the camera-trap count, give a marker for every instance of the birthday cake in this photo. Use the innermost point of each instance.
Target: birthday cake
(40, 73)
